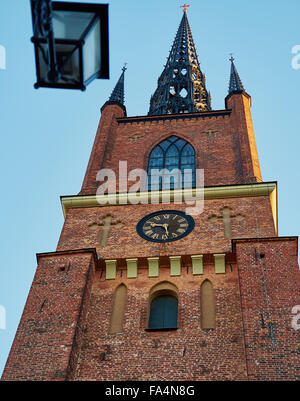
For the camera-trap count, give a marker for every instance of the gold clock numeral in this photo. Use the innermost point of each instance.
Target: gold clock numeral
(174, 235)
(166, 216)
(149, 232)
(155, 236)
(157, 218)
(180, 230)
(184, 225)
(181, 220)
(164, 236)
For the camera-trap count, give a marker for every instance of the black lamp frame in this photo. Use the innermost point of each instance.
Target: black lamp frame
(43, 33)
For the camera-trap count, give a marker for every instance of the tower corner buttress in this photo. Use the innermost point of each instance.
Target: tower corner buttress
(239, 101)
(112, 109)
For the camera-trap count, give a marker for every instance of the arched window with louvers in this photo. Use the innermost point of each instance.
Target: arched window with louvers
(172, 165)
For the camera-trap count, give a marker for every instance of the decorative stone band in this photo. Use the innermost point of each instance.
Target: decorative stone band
(175, 263)
(220, 264)
(132, 268)
(153, 267)
(219, 192)
(197, 262)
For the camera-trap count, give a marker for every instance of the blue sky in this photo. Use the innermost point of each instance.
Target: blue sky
(47, 135)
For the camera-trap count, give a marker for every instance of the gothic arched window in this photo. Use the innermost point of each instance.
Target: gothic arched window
(172, 165)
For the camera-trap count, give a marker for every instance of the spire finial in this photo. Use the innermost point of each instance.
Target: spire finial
(124, 67)
(231, 57)
(185, 7)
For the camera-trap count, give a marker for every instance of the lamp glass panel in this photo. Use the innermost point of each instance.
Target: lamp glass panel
(67, 57)
(92, 52)
(70, 24)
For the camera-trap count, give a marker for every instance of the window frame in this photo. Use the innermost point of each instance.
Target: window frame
(173, 139)
(160, 289)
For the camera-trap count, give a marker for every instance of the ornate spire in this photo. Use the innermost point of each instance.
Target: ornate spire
(181, 86)
(235, 83)
(117, 95)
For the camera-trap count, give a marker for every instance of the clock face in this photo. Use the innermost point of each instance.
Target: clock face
(165, 226)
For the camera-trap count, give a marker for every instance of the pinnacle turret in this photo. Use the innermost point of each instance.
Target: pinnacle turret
(235, 84)
(181, 86)
(117, 95)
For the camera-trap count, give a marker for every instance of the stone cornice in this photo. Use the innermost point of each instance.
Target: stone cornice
(165, 117)
(264, 240)
(218, 192)
(69, 252)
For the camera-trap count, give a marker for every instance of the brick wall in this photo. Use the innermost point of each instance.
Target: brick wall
(49, 334)
(207, 236)
(64, 330)
(269, 283)
(224, 143)
(188, 353)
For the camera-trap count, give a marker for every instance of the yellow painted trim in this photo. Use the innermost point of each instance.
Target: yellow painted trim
(220, 263)
(175, 265)
(132, 268)
(209, 193)
(111, 269)
(197, 263)
(274, 206)
(153, 267)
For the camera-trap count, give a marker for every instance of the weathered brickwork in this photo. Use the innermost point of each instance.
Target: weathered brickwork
(207, 236)
(188, 353)
(49, 333)
(224, 143)
(64, 332)
(270, 287)
(246, 144)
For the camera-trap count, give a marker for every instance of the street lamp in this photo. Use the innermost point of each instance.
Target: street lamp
(70, 42)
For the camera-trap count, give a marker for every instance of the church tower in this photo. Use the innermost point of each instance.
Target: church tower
(169, 265)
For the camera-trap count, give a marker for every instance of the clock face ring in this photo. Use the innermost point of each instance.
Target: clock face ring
(165, 226)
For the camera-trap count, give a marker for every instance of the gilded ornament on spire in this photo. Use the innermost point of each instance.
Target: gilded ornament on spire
(185, 7)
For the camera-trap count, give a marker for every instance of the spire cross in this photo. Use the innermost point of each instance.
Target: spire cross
(124, 68)
(185, 7)
(231, 58)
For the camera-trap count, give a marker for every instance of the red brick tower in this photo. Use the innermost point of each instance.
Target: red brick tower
(142, 290)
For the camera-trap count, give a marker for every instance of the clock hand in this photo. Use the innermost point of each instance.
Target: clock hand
(165, 226)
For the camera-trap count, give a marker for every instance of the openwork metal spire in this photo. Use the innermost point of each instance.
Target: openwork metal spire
(117, 95)
(235, 83)
(181, 86)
